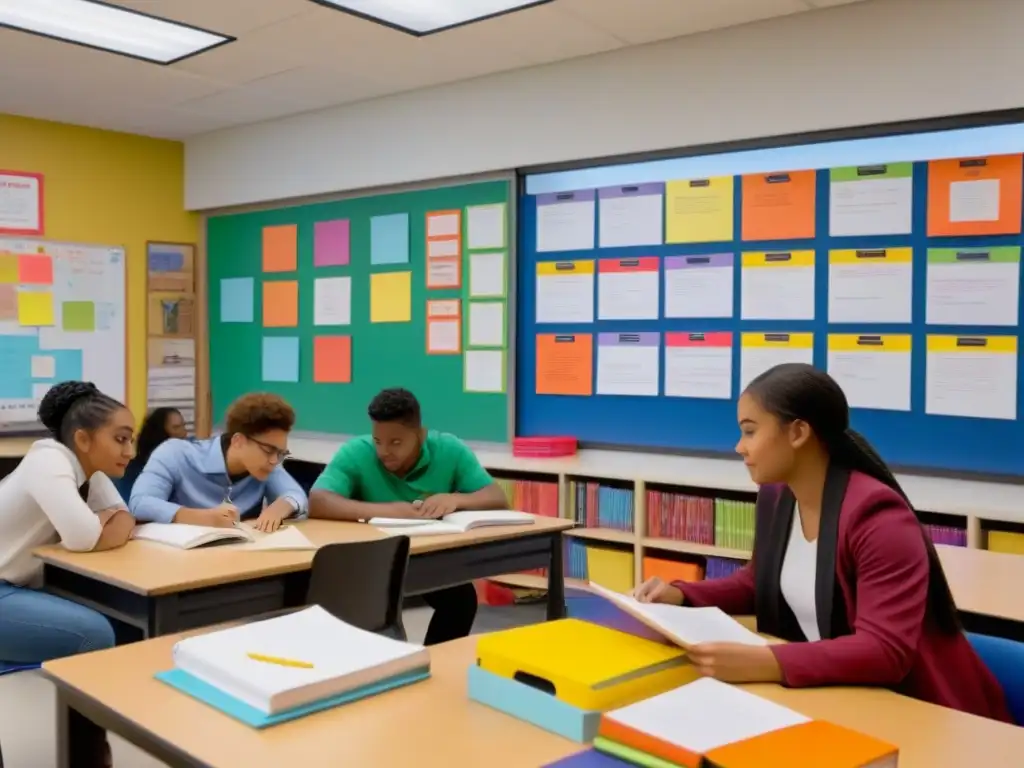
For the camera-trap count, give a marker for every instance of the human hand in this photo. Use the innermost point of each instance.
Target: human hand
(438, 505)
(400, 509)
(224, 516)
(273, 515)
(736, 662)
(657, 591)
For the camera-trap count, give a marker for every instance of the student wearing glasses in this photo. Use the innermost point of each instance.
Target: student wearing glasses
(237, 475)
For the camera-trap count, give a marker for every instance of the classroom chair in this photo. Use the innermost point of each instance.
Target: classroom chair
(362, 583)
(1006, 660)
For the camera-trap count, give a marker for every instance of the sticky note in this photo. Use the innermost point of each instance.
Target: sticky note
(35, 269)
(78, 316)
(391, 297)
(236, 300)
(8, 302)
(281, 358)
(35, 308)
(332, 359)
(331, 243)
(280, 304)
(389, 239)
(280, 248)
(8, 268)
(43, 367)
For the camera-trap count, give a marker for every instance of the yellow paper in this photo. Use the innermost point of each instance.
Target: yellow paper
(8, 268)
(699, 210)
(35, 308)
(391, 297)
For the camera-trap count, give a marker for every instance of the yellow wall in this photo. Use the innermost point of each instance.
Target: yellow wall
(107, 188)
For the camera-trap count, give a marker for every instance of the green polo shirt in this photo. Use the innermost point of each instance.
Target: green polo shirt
(446, 465)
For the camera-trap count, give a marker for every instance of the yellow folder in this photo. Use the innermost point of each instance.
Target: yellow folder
(585, 665)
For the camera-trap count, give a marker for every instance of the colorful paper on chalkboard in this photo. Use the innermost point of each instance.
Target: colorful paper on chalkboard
(389, 239)
(699, 210)
(35, 308)
(487, 275)
(565, 291)
(627, 363)
(698, 365)
(975, 196)
(391, 297)
(486, 227)
(761, 351)
(280, 248)
(484, 371)
(871, 200)
(872, 369)
(8, 302)
(777, 286)
(280, 303)
(872, 285)
(971, 376)
(444, 327)
(566, 221)
(35, 269)
(331, 243)
(973, 286)
(78, 316)
(236, 300)
(700, 285)
(631, 215)
(486, 324)
(332, 359)
(627, 289)
(8, 268)
(565, 364)
(778, 206)
(280, 359)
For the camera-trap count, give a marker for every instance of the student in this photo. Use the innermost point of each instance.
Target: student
(160, 425)
(216, 482)
(402, 470)
(842, 568)
(62, 491)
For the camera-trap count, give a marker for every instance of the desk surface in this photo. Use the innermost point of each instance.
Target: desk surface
(985, 582)
(440, 727)
(147, 568)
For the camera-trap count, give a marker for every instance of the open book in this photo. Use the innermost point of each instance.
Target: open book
(456, 522)
(192, 536)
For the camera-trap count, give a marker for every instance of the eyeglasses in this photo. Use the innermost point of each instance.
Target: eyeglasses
(272, 451)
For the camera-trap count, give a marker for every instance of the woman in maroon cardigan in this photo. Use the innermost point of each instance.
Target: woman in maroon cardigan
(842, 568)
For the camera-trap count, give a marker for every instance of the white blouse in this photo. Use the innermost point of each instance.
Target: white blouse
(799, 574)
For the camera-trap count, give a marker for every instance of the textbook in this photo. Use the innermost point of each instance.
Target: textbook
(816, 744)
(456, 522)
(193, 536)
(291, 664)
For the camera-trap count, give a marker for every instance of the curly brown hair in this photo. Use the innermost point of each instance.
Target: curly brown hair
(259, 412)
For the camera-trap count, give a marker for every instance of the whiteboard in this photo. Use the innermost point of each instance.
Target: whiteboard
(62, 317)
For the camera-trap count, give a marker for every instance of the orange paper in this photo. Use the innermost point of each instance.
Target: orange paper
(565, 364)
(817, 744)
(975, 196)
(779, 206)
(280, 248)
(332, 359)
(281, 304)
(35, 269)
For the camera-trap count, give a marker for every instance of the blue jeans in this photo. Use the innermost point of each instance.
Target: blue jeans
(36, 626)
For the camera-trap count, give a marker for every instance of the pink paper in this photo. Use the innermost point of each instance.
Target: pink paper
(330, 243)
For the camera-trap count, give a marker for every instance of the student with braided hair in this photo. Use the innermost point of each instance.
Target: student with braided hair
(842, 568)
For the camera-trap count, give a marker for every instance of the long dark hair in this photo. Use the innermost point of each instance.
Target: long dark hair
(152, 433)
(799, 392)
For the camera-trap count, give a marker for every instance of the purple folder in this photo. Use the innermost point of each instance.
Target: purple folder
(590, 758)
(594, 609)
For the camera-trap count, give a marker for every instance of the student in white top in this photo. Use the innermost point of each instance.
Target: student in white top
(62, 491)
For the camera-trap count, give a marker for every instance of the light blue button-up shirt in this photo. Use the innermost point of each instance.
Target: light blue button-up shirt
(185, 473)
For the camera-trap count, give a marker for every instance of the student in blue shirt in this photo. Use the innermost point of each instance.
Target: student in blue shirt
(218, 481)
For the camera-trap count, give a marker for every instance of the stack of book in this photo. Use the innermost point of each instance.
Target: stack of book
(601, 506)
(948, 535)
(720, 567)
(538, 497)
(734, 524)
(681, 517)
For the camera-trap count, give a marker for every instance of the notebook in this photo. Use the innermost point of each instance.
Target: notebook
(681, 726)
(191, 536)
(683, 625)
(816, 744)
(294, 661)
(456, 522)
(588, 758)
(290, 538)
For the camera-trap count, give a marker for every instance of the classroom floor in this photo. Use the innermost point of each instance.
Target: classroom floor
(28, 724)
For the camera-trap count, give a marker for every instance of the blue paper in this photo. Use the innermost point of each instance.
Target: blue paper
(281, 358)
(389, 239)
(589, 758)
(236, 300)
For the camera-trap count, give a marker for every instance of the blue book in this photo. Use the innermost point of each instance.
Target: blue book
(588, 758)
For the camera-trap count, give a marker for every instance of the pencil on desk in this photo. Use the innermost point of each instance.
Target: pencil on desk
(279, 661)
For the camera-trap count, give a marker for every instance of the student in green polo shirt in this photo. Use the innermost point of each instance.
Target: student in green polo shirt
(403, 470)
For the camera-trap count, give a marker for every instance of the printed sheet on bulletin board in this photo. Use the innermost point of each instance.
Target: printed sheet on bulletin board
(62, 316)
(327, 304)
(647, 308)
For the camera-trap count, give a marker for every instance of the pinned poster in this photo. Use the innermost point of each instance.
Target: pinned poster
(8, 302)
(391, 297)
(484, 371)
(487, 275)
(280, 248)
(871, 200)
(871, 286)
(761, 351)
(700, 210)
(698, 365)
(627, 363)
(627, 289)
(444, 327)
(332, 359)
(444, 273)
(975, 196)
(35, 269)
(778, 206)
(486, 324)
(236, 299)
(280, 359)
(486, 227)
(78, 316)
(971, 376)
(389, 239)
(973, 286)
(8, 268)
(565, 291)
(777, 286)
(332, 301)
(631, 215)
(565, 364)
(699, 286)
(444, 234)
(873, 370)
(280, 304)
(35, 308)
(566, 221)
(331, 243)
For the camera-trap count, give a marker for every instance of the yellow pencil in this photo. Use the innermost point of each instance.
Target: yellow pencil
(279, 661)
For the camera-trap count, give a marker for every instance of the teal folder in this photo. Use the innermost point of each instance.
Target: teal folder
(239, 710)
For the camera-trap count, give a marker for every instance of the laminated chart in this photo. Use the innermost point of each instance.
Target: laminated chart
(566, 221)
(972, 376)
(565, 291)
(873, 370)
(973, 286)
(699, 286)
(698, 365)
(565, 364)
(761, 351)
(630, 215)
(444, 327)
(777, 286)
(871, 286)
(627, 289)
(975, 196)
(871, 200)
(778, 206)
(700, 210)
(627, 363)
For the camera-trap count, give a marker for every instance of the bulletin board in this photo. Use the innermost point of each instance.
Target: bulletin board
(328, 303)
(902, 280)
(62, 317)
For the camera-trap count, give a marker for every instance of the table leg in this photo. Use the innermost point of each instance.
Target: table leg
(556, 580)
(80, 742)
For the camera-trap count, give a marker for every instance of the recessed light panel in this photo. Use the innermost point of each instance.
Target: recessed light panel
(109, 28)
(424, 17)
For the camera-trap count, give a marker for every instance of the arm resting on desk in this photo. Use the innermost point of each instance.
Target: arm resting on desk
(734, 594)
(281, 485)
(117, 530)
(327, 505)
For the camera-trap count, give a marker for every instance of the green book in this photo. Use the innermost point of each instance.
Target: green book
(630, 755)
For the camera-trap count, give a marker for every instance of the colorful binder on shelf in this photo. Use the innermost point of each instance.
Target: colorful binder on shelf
(611, 568)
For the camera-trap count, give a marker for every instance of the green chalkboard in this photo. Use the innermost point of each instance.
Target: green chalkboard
(383, 354)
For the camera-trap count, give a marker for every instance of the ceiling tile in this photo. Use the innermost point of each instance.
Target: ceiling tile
(829, 3)
(223, 16)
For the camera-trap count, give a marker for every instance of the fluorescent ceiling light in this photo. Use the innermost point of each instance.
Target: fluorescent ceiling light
(424, 17)
(106, 27)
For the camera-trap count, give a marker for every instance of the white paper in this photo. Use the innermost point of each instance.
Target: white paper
(777, 293)
(565, 298)
(699, 292)
(486, 274)
(285, 539)
(485, 226)
(19, 203)
(332, 301)
(443, 274)
(43, 367)
(973, 293)
(437, 249)
(444, 335)
(443, 225)
(879, 380)
(974, 200)
(485, 370)
(486, 324)
(623, 369)
(567, 226)
(871, 207)
(698, 372)
(756, 360)
(443, 308)
(870, 292)
(981, 385)
(627, 295)
(631, 220)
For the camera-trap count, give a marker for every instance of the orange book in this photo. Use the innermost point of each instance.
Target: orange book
(672, 570)
(816, 744)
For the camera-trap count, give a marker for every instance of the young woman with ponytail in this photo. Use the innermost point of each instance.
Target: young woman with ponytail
(842, 568)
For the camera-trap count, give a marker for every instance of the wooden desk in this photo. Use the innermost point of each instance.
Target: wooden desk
(160, 589)
(985, 587)
(439, 727)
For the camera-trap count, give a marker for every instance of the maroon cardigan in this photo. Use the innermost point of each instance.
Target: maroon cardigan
(871, 597)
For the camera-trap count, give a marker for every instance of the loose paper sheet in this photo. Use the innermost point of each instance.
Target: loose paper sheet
(487, 275)
(871, 286)
(391, 297)
(332, 301)
(778, 286)
(444, 273)
(699, 286)
(484, 370)
(565, 292)
(761, 351)
(565, 364)
(871, 200)
(332, 359)
(485, 226)
(631, 215)
(487, 324)
(627, 364)
(236, 300)
(973, 286)
(280, 358)
(389, 239)
(873, 370)
(699, 210)
(698, 365)
(627, 289)
(972, 376)
(566, 220)
(974, 200)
